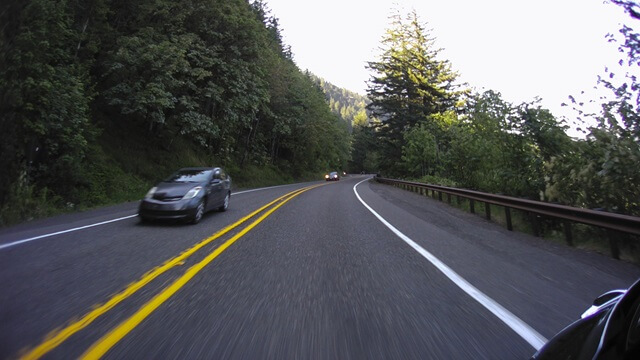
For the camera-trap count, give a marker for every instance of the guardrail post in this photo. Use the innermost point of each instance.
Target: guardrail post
(507, 214)
(535, 224)
(568, 235)
(613, 244)
(617, 226)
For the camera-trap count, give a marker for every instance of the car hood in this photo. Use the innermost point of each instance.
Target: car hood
(173, 190)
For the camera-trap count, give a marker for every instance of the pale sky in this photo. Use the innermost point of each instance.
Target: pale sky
(523, 49)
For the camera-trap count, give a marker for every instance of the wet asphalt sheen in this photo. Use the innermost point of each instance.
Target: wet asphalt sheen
(319, 278)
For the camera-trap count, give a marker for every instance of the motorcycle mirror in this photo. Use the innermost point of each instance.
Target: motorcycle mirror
(602, 300)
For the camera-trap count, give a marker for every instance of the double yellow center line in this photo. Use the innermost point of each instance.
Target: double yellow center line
(105, 343)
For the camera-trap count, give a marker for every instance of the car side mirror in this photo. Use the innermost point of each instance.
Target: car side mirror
(602, 300)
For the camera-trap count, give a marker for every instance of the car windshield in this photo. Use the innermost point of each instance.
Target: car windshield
(190, 175)
(333, 173)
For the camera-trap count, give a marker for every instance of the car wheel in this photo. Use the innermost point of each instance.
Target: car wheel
(199, 213)
(225, 205)
(143, 220)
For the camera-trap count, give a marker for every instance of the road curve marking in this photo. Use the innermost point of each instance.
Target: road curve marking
(525, 331)
(106, 342)
(58, 336)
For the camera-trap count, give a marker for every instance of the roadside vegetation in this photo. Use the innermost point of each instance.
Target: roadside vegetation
(100, 98)
(430, 128)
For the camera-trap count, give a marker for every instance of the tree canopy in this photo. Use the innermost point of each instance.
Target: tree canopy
(435, 131)
(199, 82)
(409, 84)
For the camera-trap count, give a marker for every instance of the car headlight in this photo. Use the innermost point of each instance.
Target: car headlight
(326, 176)
(151, 192)
(193, 192)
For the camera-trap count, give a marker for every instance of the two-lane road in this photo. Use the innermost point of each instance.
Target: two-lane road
(351, 269)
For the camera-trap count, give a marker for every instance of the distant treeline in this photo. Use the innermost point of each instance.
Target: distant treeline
(100, 97)
(350, 106)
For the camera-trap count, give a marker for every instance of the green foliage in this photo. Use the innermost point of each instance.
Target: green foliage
(101, 98)
(436, 180)
(599, 172)
(350, 106)
(408, 86)
(602, 170)
(254, 176)
(419, 151)
(45, 104)
(26, 202)
(364, 151)
(498, 147)
(105, 181)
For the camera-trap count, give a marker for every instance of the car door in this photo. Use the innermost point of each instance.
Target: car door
(216, 194)
(226, 180)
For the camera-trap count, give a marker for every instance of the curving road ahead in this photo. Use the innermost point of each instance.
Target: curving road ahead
(349, 270)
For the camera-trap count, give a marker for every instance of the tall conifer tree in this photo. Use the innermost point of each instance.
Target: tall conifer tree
(408, 85)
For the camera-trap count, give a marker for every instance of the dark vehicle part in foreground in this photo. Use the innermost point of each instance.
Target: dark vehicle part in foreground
(610, 329)
(187, 195)
(333, 176)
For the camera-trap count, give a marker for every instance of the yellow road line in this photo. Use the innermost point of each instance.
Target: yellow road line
(100, 347)
(58, 336)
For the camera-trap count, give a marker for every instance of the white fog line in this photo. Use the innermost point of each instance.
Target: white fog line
(516, 324)
(18, 242)
(4, 246)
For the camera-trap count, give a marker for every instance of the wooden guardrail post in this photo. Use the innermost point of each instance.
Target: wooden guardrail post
(568, 235)
(617, 226)
(507, 215)
(535, 224)
(613, 244)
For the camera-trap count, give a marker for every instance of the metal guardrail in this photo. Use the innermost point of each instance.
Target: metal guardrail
(610, 221)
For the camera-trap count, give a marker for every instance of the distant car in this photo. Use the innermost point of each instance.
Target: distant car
(332, 176)
(609, 329)
(187, 195)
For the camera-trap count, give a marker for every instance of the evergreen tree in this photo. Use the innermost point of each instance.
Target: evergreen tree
(409, 84)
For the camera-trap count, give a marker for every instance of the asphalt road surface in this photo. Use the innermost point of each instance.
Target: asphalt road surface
(342, 270)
